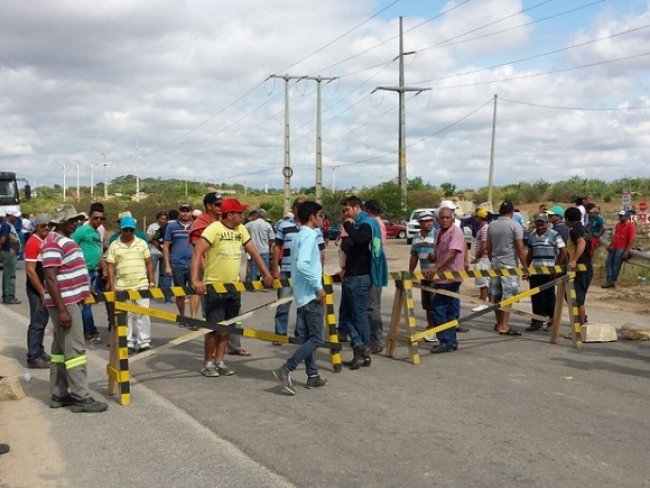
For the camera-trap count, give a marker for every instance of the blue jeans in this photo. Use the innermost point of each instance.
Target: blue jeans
(310, 331)
(253, 270)
(282, 312)
(445, 309)
(86, 310)
(354, 302)
(613, 264)
(38, 317)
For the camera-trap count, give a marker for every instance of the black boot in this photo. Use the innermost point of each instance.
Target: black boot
(350, 362)
(358, 359)
(365, 354)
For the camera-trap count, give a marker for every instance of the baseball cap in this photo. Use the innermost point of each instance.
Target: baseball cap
(506, 207)
(448, 204)
(41, 219)
(426, 215)
(481, 213)
(196, 212)
(127, 223)
(556, 210)
(185, 206)
(541, 216)
(232, 205)
(212, 197)
(622, 213)
(14, 211)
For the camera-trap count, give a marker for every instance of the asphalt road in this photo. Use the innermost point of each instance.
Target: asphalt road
(500, 411)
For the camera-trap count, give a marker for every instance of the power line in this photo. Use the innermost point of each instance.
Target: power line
(583, 109)
(540, 55)
(545, 73)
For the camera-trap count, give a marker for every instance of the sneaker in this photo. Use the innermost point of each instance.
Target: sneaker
(225, 371)
(38, 363)
(96, 338)
(534, 326)
(608, 284)
(431, 338)
(144, 347)
(315, 382)
(12, 301)
(45, 356)
(89, 405)
(443, 347)
(462, 329)
(479, 308)
(64, 401)
(284, 378)
(210, 371)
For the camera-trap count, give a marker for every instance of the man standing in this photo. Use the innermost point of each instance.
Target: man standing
(578, 248)
(481, 260)
(450, 256)
(89, 240)
(220, 246)
(619, 248)
(307, 272)
(129, 268)
(37, 358)
(156, 244)
(177, 252)
(9, 249)
(545, 248)
(365, 266)
(66, 279)
(556, 218)
(423, 251)
(374, 297)
(596, 227)
(262, 237)
(505, 246)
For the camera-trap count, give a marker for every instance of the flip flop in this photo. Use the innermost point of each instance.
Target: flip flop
(240, 351)
(511, 332)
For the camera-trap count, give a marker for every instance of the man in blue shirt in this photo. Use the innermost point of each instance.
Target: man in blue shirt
(177, 252)
(423, 251)
(307, 273)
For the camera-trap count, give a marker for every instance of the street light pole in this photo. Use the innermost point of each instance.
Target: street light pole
(63, 163)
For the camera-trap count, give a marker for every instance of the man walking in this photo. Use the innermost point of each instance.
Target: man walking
(9, 249)
(423, 251)
(220, 246)
(262, 237)
(505, 246)
(129, 268)
(177, 252)
(620, 247)
(89, 240)
(374, 296)
(365, 266)
(307, 272)
(66, 279)
(545, 248)
(37, 358)
(450, 251)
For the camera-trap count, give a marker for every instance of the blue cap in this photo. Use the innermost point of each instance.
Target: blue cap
(127, 223)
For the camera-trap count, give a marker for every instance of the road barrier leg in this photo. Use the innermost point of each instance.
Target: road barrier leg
(395, 319)
(560, 296)
(576, 327)
(409, 313)
(118, 366)
(330, 321)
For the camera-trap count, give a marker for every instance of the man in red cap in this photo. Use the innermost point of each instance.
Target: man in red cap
(220, 246)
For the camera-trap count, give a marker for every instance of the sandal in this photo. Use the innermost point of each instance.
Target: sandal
(240, 351)
(511, 332)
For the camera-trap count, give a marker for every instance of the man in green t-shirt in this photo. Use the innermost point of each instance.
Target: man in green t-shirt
(89, 239)
(221, 246)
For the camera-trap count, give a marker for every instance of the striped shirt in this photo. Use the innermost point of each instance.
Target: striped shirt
(63, 253)
(129, 261)
(423, 246)
(545, 248)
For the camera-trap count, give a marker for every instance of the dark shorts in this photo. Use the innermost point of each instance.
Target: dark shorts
(221, 306)
(181, 276)
(581, 285)
(426, 296)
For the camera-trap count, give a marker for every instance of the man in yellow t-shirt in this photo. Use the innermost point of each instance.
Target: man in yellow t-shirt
(129, 268)
(221, 245)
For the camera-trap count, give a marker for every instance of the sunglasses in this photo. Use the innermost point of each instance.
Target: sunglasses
(128, 230)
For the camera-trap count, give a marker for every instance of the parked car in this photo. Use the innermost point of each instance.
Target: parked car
(395, 230)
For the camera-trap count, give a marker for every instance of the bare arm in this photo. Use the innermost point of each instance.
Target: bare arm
(257, 259)
(446, 258)
(580, 248)
(168, 266)
(150, 274)
(413, 262)
(110, 276)
(521, 251)
(275, 262)
(200, 247)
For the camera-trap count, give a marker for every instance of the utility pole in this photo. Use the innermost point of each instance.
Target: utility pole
(62, 163)
(92, 178)
(401, 89)
(105, 167)
(333, 168)
(319, 140)
(494, 128)
(137, 171)
(77, 163)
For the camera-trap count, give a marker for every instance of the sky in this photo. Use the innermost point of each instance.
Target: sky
(182, 90)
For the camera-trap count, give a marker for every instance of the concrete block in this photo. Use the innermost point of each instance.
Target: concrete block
(635, 332)
(599, 333)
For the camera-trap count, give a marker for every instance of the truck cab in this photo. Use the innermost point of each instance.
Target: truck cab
(9, 194)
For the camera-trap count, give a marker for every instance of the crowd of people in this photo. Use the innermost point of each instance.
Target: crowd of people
(68, 256)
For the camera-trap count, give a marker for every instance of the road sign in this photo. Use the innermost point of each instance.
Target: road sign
(643, 206)
(627, 199)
